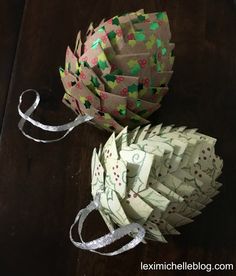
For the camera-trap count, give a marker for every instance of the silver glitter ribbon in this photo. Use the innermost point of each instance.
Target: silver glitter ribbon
(25, 116)
(137, 231)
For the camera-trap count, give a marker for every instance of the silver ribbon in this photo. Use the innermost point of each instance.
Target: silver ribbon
(25, 116)
(136, 229)
(108, 238)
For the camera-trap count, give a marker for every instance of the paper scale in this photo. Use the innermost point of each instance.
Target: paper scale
(159, 177)
(120, 74)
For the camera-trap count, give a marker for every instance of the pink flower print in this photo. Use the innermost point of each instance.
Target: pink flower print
(109, 21)
(119, 33)
(94, 61)
(104, 38)
(84, 58)
(69, 84)
(142, 62)
(130, 105)
(103, 109)
(119, 79)
(146, 82)
(85, 48)
(82, 75)
(113, 66)
(89, 98)
(124, 92)
(103, 96)
(78, 85)
(115, 112)
(130, 36)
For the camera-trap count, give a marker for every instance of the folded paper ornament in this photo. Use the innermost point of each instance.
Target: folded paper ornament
(121, 74)
(149, 181)
(158, 177)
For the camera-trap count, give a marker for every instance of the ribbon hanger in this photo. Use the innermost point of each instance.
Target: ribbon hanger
(26, 117)
(136, 229)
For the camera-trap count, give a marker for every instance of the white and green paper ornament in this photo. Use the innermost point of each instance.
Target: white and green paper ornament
(154, 179)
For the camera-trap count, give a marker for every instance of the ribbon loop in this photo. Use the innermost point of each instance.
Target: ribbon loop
(137, 229)
(68, 127)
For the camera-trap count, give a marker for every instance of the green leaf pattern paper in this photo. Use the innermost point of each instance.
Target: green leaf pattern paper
(97, 174)
(141, 178)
